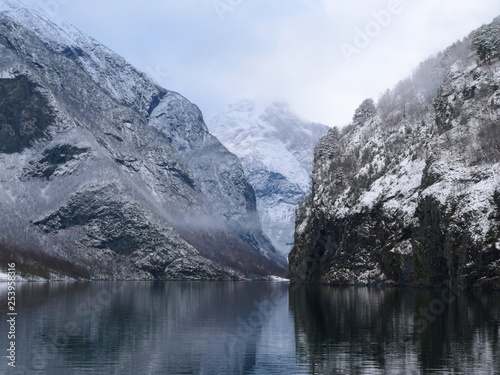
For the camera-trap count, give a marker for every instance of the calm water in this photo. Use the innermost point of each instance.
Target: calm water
(249, 328)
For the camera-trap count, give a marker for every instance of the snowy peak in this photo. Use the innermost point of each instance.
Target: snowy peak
(276, 150)
(102, 166)
(111, 72)
(270, 136)
(16, 5)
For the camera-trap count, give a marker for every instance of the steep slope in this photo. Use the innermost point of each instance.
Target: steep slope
(410, 195)
(275, 147)
(104, 168)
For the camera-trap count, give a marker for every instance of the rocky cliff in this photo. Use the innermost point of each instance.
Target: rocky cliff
(275, 147)
(106, 170)
(409, 194)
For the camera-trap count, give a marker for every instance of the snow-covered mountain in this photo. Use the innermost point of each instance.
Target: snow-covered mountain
(104, 170)
(409, 193)
(275, 147)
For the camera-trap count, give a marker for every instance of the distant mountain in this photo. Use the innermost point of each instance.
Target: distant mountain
(409, 194)
(275, 147)
(105, 174)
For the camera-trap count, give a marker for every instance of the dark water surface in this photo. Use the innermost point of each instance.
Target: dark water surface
(65, 328)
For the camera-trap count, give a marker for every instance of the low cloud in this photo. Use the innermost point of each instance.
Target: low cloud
(266, 50)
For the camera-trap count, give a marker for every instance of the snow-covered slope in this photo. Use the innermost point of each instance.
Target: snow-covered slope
(411, 194)
(103, 167)
(275, 147)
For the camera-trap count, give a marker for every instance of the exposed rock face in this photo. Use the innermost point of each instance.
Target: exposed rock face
(25, 114)
(410, 197)
(105, 168)
(276, 150)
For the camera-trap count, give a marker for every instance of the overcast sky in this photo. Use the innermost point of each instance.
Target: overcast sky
(309, 53)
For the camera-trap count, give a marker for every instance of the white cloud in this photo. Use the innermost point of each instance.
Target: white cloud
(287, 49)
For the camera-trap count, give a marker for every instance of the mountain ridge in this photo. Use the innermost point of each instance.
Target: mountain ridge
(106, 165)
(276, 149)
(409, 195)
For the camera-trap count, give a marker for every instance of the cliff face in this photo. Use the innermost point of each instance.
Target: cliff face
(410, 195)
(275, 147)
(102, 167)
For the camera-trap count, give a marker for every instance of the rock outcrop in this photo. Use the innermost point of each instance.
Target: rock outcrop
(410, 195)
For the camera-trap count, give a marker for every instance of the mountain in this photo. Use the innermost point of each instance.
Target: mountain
(275, 147)
(409, 193)
(105, 174)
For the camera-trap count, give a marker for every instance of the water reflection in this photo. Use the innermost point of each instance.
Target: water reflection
(250, 328)
(153, 328)
(395, 331)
